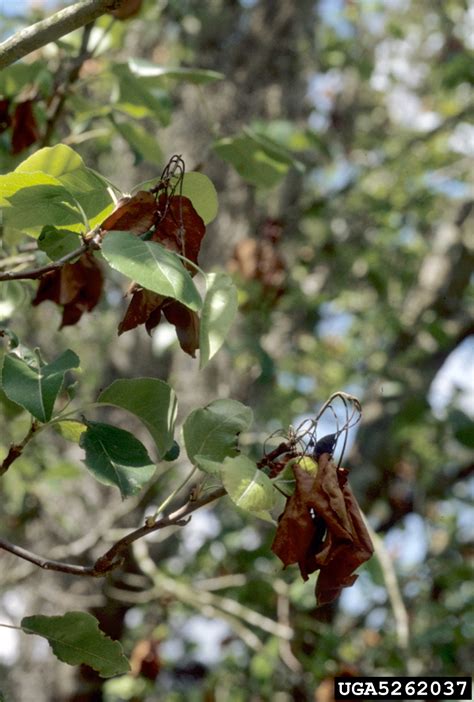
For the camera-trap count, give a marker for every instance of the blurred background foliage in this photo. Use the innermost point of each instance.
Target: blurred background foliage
(339, 137)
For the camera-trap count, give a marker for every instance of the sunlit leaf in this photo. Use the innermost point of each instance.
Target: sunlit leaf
(211, 432)
(36, 387)
(151, 266)
(247, 486)
(115, 457)
(218, 312)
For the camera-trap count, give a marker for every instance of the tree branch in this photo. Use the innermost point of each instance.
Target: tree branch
(52, 28)
(38, 272)
(114, 556)
(17, 449)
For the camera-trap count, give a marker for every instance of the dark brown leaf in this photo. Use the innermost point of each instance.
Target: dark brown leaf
(145, 659)
(181, 229)
(24, 127)
(186, 322)
(322, 529)
(143, 305)
(146, 308)
(77, 287)
(128, 8)
(132, 214)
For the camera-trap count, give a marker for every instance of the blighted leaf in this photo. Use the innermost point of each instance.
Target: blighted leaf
(76, 286)
(322, 529)
(35, 386)
(24, 127)
(115, 457)
(153, 401)
(132, 214)
(128, 8)
(247, 486)
(180, 228)
(259, 260)
(151, 266)
(218, 312)
(211, 432)
(76, 639)
(144, 308)
(186, 322)
(57, 243)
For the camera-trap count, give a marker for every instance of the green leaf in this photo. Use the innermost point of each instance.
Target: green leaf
(87, 187)
(115, 457)
(75, 638)
(247, 486)
(147, 69)
(463, 427)
(57, 243)
(151, 400)
(151, 266)
(32, 200)
(136, 99)
(70, 429)
(211, 432)
(35, 386)
(258, 160)
(140, 141)
(202, 193)
(218, 312)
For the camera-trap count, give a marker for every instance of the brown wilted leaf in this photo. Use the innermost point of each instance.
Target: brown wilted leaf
(24, 127)
(259, 260)
(145, 659)
(322, 529)
(146, 307)
(143, 305)
(186, 322)
(181, 229)
(128, 8)
(132, 214)
(77, 287)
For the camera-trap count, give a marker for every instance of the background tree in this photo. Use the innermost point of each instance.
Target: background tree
(337, 135)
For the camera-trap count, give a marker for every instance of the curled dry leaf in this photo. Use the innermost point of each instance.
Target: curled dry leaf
(322, 529)
(259, 260)
(180, 228)
(77, 287)
(145, 659)
(146, 307)
(127, 9)
(132, 214)
(174, 223)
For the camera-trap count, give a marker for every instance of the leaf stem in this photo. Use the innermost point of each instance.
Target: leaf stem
(170, 497)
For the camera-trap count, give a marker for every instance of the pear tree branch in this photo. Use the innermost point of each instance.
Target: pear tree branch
(52, 28)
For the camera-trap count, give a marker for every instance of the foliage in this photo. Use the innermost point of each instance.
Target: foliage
(311, 238)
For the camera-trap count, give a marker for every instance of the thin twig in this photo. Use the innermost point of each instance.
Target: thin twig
(61, 92)
(38, 272)
(52, 28)
(114, 556)
(16, 450)
(391, 583)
